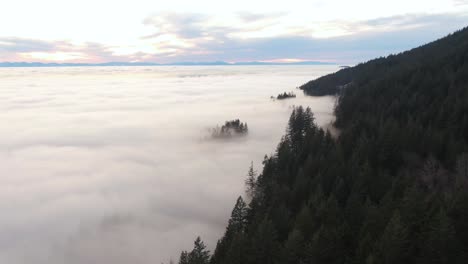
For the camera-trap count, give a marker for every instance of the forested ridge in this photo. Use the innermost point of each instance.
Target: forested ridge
(392, 188)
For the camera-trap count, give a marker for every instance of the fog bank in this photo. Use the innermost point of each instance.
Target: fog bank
(113, 165)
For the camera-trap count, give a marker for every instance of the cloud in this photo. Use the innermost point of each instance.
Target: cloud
(245, 36)
(415, 21)
(24, 49)
(112, 165)
(191, 33)
(253, 17)
(25, 45)
(194, 25)
(461, 2)
(182, 25)
(355, 41)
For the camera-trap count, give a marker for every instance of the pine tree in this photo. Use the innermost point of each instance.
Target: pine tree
(184, 258)
(461, 176)
(293, 247)
(441, 245)
(199, 254)
(327, 245)
(309, 119)
(238, 250)
(251, 182)
(265, 246)
(238, 219)
(234, 232)
(394, 241)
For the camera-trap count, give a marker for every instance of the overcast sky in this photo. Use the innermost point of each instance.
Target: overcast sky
(242, 30)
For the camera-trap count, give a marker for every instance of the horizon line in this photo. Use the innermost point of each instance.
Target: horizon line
(182, 63)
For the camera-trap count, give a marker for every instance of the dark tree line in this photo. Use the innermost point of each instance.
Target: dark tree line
(230, 128)
(198, 255)
(285, 95)
(392, 188)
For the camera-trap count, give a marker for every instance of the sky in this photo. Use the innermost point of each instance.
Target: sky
(234, 31)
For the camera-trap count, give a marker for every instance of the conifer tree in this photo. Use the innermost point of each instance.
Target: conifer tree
(394, 241)
(184, 258)
(251, 182)
(238, 219)
(264, 244)
(199, 254)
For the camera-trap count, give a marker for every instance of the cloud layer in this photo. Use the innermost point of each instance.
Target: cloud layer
(113, 164)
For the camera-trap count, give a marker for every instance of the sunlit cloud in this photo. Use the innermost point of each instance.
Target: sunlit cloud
(53, 56)
(461, 2)
(264, 38)
(246, 36)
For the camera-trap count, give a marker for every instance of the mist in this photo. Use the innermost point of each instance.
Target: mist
(115, 164)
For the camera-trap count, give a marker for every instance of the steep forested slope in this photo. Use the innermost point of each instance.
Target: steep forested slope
(392, 188)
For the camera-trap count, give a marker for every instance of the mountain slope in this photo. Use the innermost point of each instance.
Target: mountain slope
(393, 188)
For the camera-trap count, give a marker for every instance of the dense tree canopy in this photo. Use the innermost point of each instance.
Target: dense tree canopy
(285, 95)
(392, 188)
(230, 128)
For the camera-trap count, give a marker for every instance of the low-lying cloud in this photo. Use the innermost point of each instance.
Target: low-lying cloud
(112, 165)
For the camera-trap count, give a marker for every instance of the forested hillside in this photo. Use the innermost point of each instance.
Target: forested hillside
(392, 188)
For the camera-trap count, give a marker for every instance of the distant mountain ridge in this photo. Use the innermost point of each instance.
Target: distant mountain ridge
(186, 63)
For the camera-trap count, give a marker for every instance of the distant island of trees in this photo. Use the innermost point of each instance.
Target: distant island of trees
(229, 129)
(285, 95)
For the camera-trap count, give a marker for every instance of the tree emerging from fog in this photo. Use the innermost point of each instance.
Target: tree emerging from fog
(286, 95)
(230, 129)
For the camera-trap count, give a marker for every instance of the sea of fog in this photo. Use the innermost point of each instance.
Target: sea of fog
(115, 164)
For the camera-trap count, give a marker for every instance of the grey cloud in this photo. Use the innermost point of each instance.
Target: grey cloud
(10, 47)
(420, 20)
(385, 36)
(190, 26)
(183, 25)
(24, 45)
(254, 17)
